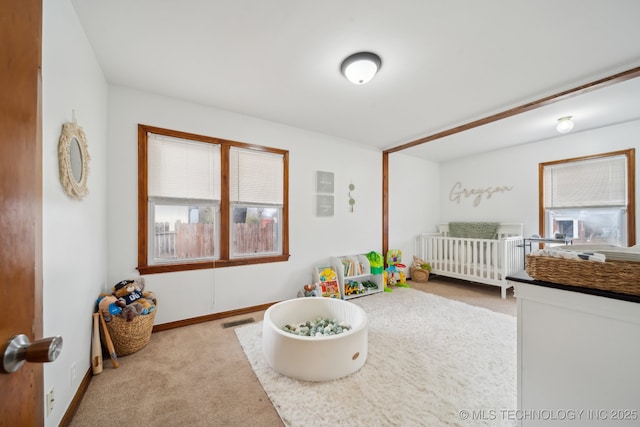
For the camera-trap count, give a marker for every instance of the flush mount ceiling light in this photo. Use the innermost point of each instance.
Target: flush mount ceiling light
(360, 67)
(564, 124)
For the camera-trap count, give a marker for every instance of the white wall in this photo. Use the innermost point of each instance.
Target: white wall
(74, 232)
(312, 240)
(517, 167)
(414, 202)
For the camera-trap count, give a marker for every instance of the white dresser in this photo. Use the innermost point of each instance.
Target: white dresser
(578, 358)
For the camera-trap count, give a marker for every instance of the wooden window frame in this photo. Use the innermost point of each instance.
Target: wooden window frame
(631, 201)
(224, 233)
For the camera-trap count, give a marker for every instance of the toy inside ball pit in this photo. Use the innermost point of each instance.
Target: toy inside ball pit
(315, 358)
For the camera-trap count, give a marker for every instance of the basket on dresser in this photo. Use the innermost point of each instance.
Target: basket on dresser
(612, 275)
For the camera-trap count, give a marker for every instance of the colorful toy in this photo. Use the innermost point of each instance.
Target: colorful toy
(368, 284)
(330, 289)
(395, 269)
(328, 283)
(353, 288)
(328, 275)
(376, 262)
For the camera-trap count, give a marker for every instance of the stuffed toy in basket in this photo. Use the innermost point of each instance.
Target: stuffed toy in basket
(130, 327)
(420, 270)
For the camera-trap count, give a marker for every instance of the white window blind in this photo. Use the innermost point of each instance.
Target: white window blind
(184, 169)
(586, 183)
(256, 177)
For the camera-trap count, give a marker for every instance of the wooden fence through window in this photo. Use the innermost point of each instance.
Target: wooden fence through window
(192, 241)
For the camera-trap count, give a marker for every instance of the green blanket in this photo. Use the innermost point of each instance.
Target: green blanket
(474, 230)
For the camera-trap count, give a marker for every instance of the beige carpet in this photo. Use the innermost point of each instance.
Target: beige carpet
(198, 375)
(429, 359)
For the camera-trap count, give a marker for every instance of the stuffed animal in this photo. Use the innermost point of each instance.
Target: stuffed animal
(310, 290)
(129, 292)
(131, 311)
(109, 306)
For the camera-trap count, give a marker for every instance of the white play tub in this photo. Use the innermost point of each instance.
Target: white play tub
(315, 358)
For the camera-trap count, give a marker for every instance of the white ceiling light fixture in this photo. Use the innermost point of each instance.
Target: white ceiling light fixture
(564, 125)
(361, 67)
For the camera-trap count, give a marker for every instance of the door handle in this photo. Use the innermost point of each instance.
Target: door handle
(20, 350)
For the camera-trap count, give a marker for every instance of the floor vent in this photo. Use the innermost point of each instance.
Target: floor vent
(238, 322)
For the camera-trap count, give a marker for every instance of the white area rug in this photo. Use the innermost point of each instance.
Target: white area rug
(430, 359)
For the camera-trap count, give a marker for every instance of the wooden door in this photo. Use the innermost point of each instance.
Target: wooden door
(21, 393)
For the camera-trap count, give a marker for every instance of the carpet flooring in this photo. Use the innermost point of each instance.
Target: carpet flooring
(430, 360)
(199, 375)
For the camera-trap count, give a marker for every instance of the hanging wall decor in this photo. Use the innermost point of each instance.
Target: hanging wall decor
(352, 201)
(324, 182)
(324, 205)
(73, 158)
(324, 193)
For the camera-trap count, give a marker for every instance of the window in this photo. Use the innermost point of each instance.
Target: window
(589, 199)
(205, 202)
(256, 199)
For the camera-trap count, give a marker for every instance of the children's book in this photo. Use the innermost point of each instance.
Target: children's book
(330, 289)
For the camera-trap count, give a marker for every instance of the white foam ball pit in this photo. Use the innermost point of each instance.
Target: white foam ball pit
(321, 358)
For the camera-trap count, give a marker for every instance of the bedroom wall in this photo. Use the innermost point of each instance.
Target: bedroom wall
(414, 202)
(74, 232)
(517, 168)
(313, 239)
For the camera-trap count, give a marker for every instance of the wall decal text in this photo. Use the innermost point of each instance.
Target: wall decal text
(457, 192)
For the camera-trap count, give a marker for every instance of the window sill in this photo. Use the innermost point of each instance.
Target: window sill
(202, 265)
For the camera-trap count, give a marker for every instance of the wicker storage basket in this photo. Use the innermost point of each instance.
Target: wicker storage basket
(129, 337)
(419, 275)
(615, 276)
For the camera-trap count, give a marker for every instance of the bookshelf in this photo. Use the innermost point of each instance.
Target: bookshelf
(354, 276)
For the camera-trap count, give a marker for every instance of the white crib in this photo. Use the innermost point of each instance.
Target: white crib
(486, 261)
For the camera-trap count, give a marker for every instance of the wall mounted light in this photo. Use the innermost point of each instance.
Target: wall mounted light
(564, 125)
(361, 67)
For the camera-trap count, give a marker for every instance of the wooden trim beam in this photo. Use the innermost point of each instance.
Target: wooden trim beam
(548, 100)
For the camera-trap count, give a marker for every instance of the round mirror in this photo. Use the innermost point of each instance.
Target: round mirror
(73, 156)
(76, 159)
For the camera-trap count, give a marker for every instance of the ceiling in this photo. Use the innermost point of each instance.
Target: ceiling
(444, 64)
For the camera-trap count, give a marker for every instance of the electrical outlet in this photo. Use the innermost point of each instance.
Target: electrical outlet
(50, 401)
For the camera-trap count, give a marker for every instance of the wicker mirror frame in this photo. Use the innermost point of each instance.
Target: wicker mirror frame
(76, 188)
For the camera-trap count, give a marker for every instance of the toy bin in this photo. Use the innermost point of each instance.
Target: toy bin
(129, 337)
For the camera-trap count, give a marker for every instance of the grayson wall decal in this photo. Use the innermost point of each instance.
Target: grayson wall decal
(457, 192)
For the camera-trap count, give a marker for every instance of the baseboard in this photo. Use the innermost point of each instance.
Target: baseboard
(210, 317)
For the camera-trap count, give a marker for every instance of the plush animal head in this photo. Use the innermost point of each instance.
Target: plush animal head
(126, 287)
(123, 287)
